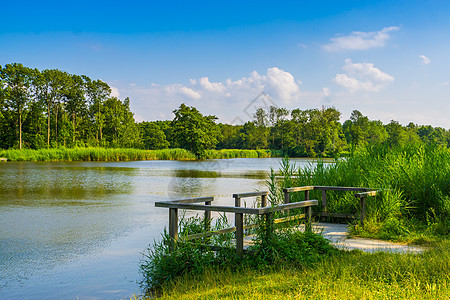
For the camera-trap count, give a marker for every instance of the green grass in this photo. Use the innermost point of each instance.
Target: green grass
(345, 275)
(415, 181)
(120, 154)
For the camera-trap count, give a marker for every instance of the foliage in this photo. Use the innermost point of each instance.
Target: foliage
(193, 131)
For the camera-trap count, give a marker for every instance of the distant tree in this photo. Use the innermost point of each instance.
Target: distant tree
(153, 136)
(17, 92)
(97, 92)
(120, 129)
(193, 131)
(230, 137)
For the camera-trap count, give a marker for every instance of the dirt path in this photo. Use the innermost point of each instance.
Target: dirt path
(338, 235)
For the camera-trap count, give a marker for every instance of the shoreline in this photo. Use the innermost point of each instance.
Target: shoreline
(122, 154)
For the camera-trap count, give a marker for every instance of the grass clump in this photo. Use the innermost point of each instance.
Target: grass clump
(161, 268)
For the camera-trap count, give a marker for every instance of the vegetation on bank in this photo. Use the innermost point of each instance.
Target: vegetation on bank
(123, 154)
(344, 275)
(414, 203)
(413, 206)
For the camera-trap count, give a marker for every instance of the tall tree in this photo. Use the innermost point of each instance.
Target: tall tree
(97, 92)
(17, 80)
(75, 102)
(193, 131)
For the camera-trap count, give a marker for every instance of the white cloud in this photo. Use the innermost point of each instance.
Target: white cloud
(227, 99)
(425, 60)
(362, 76)
(210, 86)
(115, 92)
(180, 90)
(359, 40)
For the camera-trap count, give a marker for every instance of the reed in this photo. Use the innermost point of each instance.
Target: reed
(122, 154)
(415, 184)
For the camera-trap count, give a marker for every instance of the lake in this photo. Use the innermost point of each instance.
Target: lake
(77, 230)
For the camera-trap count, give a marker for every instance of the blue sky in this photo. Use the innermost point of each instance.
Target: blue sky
(388, 59)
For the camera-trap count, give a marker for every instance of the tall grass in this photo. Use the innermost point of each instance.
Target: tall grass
(414, 180)
(121, 154)
(345, 275)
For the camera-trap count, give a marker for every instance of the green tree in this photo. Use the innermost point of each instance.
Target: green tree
(153, 136)
(17, 80)
(97, 92)
(120, 129)
(193, 131)
(75, 103)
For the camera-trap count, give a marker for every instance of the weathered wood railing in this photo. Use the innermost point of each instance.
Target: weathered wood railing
(365, 192)
(194, 204)
(197, 204)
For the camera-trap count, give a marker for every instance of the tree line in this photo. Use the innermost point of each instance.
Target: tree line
(52, 108)
(297, 133)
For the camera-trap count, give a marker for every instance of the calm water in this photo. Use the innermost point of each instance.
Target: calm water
(78, 230)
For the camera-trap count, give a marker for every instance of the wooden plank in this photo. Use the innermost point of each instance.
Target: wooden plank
(306, 195)
(253, 194)
(231, 209)
(298, 189)
(192, 200)
(342, 188)
(366, 194)
(287, 206)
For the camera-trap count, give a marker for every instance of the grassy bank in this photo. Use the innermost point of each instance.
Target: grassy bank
(121, 154)
(414, 203)
(346, 275)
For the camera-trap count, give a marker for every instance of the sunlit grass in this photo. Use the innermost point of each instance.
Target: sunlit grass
(346, 275)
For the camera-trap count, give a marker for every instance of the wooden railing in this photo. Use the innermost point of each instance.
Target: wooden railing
(365, 192)
(205, 204)
(193, 204)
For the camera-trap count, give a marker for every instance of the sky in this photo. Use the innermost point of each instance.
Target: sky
(388, 59)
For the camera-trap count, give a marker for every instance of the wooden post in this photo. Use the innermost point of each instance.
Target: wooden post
(324, 200)
(308, 218)
(239, 224)
(207, 217)
(173, 227)
(306, 195)
(363, 211)
(286, 197)
(263, 200)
